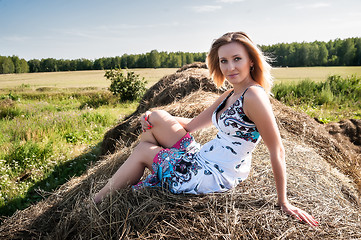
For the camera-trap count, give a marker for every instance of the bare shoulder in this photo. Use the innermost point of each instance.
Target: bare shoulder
(256, 102)
(256, 94)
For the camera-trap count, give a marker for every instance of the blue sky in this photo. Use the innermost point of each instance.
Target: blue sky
(92, 29)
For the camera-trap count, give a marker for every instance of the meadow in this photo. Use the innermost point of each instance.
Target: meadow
(82, 79)
(51, 124)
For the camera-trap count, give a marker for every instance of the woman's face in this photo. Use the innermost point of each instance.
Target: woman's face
(234, 62)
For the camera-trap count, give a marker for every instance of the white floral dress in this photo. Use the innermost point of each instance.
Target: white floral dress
(218, 165)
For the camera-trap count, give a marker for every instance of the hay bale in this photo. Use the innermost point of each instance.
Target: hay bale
(247, 212)
(170, 88)
(336, 149)
(193, 65)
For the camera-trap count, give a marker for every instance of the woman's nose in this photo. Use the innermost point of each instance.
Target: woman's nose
(231, 66)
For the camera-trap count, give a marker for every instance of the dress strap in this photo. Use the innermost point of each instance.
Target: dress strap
(242, 97)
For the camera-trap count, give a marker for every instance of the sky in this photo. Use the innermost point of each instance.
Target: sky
(71, 29)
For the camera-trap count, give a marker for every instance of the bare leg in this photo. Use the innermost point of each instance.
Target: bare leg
(131, 170)
(166, 131)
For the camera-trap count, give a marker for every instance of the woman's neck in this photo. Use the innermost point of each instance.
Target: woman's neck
(241, 87)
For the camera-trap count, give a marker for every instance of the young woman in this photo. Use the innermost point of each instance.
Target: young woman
(242, 116)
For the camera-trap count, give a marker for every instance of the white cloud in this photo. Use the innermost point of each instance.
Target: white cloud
(16, 38)
(229, 1)
(313, 5)
(206, 8)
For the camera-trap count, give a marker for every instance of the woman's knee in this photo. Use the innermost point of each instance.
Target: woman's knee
(157, 116)
(146, 152)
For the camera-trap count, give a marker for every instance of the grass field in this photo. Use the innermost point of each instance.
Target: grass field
(78, 79)
(96, 78)
(47, 137)
(286, 75)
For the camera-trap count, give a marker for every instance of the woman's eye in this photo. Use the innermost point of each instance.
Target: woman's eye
(237, 59)
(223, 61)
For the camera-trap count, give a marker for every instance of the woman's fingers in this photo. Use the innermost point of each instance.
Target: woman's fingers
(144, 120)
(300, 215)
(307, 217)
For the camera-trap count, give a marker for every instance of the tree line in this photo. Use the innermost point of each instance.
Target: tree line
(13, 65)
(337, 52)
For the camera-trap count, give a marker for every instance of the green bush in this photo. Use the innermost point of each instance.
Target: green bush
(95, 100)
(128, 88)
(325, 96)
(335, 90)
(331, 100)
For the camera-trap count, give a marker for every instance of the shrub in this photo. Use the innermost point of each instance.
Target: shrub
(325, 96)
(128, 88)
(96, 99)
(335, 90)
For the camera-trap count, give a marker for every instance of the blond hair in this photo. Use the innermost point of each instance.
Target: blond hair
(261, 70)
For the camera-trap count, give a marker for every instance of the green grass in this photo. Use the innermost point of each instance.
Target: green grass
(47, 137)
(335, 99)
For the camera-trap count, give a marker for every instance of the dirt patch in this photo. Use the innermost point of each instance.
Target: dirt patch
(346, 130)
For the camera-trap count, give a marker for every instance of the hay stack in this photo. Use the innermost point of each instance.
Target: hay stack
(247, 212)
(336, 142)
(188, 79)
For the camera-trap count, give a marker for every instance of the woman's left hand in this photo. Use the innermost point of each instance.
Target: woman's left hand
(299, 214)
(144, 121)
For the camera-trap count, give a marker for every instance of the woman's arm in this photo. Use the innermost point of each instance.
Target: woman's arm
(258, 108)
(204, 119)
(183, 121)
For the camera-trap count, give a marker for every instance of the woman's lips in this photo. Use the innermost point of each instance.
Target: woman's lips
(233, 75)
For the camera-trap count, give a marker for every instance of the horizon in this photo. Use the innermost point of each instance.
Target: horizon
(91, 30)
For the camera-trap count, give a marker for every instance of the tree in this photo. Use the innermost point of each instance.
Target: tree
(16, 61)
(323, 54)
(190, 58)
(34, 65)
(132, 61)
(98, 64)
(304, 53)
(348, 52)
(24, 67)
(48, 65)
(154, 59)
(357, 61)
(7, 65)
(124, 61)
(116, 62)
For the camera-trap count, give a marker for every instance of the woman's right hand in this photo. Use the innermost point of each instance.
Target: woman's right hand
(144, 121)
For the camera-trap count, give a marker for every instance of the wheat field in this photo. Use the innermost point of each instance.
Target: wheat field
(95, 78)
